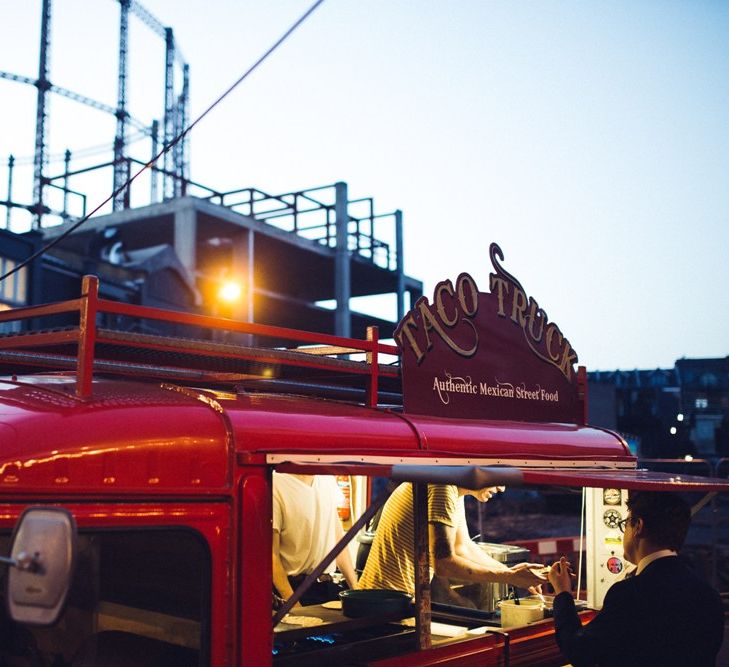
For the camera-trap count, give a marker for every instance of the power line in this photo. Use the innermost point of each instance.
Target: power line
(170, 145)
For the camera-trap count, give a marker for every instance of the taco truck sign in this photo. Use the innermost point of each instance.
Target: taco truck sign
(487, 355)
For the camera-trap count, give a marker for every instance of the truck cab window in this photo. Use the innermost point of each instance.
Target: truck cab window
(139, 597)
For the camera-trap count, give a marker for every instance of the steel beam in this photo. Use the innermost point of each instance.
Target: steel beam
(169, 117)
(121, 167)
(11, 165)
(342, 277)
(42, 84)
(400, 264)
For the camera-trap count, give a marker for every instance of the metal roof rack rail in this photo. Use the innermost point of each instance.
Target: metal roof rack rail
(88, 347)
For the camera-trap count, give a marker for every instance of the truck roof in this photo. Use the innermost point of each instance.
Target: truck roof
(158, 438)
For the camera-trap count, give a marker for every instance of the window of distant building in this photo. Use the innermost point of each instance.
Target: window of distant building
(708, 380)
(13, 290)
(701, 403)
(705, 430)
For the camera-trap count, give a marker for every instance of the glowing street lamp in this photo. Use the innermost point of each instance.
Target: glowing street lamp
(230, 291)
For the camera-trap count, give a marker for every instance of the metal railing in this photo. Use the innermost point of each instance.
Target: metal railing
(98, 349)
(309, 213)
(314, 217)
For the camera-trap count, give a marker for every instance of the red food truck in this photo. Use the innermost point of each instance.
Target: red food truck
(147, 463)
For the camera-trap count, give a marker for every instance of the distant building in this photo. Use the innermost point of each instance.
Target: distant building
(666, 413)
(705, 402)
(24, 286)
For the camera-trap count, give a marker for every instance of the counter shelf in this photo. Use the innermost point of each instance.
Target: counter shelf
(334, 621)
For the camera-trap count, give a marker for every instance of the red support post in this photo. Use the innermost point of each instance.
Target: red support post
(582, 390)
(373, 336)
(422, 566)
(87, 335)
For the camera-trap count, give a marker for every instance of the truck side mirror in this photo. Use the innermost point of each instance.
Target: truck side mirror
(42, 560)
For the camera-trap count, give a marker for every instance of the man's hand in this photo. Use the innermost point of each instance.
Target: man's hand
(526, 575)
(485, 494)
(560, 576)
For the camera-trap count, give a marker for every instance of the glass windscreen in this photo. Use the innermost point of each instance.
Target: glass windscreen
(139, 597)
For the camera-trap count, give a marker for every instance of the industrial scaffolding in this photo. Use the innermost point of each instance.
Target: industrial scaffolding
(175, 170)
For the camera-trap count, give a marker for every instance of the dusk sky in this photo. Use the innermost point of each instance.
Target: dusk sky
(590, 140)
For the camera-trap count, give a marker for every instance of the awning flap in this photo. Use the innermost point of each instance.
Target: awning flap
(478, 477)
(639, 480)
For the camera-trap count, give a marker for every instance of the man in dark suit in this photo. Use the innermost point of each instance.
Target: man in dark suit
(663, 616)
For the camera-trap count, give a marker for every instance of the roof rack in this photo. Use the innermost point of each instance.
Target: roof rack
(88, 347)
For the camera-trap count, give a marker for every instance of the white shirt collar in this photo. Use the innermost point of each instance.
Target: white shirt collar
(647, 560)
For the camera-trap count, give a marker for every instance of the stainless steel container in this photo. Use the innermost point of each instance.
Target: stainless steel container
(485, 596)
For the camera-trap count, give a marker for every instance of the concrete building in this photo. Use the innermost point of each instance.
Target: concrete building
(298, 259)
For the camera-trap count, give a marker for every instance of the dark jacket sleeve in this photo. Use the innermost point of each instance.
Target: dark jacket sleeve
(602, 638)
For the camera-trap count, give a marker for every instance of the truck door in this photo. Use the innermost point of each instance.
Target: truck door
(142, 593)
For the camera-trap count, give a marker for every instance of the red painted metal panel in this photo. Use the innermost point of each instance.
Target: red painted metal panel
(519, 439)
(255, 636)
(267, 423)
(294, 424)
(131, 438)
(531, 646)
(210, 520)
(485, 651)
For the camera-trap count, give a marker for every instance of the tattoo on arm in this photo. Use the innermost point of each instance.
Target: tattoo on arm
(442, 545)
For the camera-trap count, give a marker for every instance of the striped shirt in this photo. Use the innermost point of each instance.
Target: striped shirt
(391, 561)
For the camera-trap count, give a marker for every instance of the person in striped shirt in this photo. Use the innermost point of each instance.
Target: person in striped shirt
(391, 561)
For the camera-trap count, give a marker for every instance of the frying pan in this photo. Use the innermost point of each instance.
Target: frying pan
(374, 602)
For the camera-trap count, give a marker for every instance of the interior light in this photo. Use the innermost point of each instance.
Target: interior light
(673, 430)
(679, 417)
